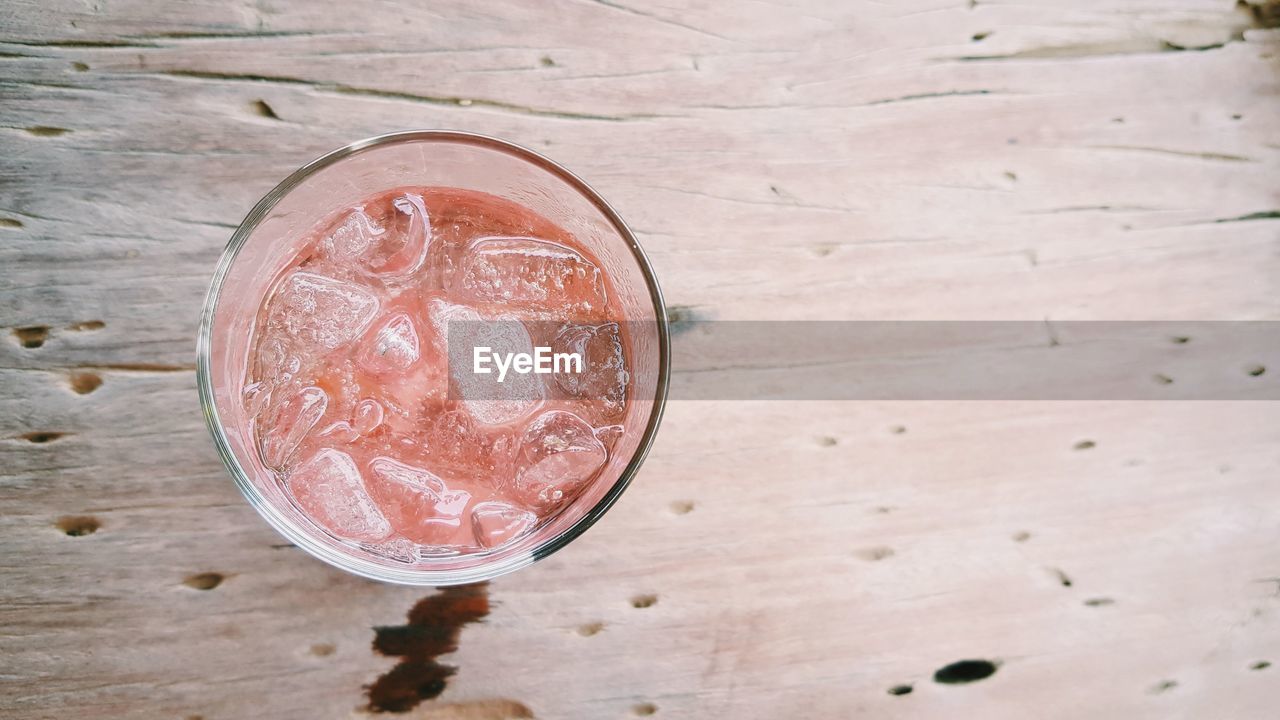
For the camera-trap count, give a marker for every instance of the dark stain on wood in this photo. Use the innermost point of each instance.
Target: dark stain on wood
(432, 630)
(1062, 577)
(964, 671)
(41, 437)
(32, 336)
(78, 525)
(204, 580)
(46, 131)
(264, 110)
(682, 318)
(83, 383)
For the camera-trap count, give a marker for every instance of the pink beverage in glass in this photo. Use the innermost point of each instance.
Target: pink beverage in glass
(433, 357)
(357, 407)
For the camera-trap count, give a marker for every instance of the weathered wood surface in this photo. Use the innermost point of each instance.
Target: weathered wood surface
(931, 159)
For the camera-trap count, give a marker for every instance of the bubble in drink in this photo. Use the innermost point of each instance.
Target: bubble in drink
(368, 417)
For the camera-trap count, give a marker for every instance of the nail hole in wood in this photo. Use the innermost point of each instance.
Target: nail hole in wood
(900, 690)
(84, 383)
(78, 525)
(1180, 339)
(1162, 379)
(87, 325)
(263, 109)
(827, 441)
(547, 61)
(644, 601)
(980, 36)
(1256, 371)
(204, 581)
(32, 336)
(1099, 602)
(322, 649)
(1163, 686)
(1085, 445)
(46, 131)
(644, 709)
(79, 66)
(1062, 577)
(591, 628)
(875, 554)
(682, 507)
(964, 671)
(1260, 665)
(1021, 536)
(41, 437)
(10, 222)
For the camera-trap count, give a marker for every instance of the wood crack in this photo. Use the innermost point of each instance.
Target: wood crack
(438, 100)
(1224, 157)
(926, 96)
(659, 19)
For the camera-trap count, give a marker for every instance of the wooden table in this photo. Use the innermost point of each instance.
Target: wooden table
(922, 159)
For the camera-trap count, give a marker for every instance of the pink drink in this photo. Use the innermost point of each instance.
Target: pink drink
(335, 361)
(361, 392)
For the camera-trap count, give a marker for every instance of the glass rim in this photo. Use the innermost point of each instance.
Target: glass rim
(347, 561)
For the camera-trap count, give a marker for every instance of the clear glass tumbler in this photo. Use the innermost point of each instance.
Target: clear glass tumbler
(275, 230)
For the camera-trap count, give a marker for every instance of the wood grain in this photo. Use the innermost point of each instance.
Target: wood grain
(923, 159)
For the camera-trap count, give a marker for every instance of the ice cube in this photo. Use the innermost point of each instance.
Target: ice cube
(257, 396)
(454, 441)
(489, 401)
(559, 454)
(604, 374)
(368, 417)
(417, 502)
(276, 360)
(353, 238)
(533, 274)
(290, 423)
(329, 488)
(389, 241)
(340, 432)
(319, 311)
(394, 348)
(497, 523)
